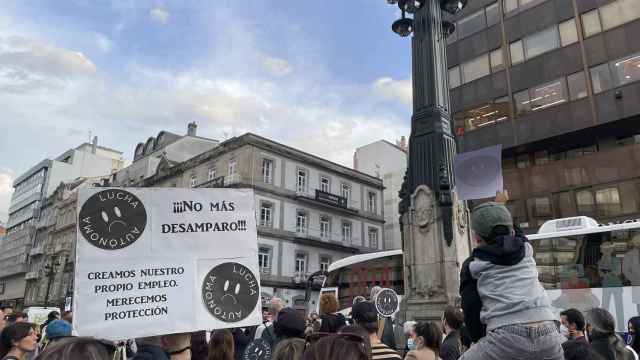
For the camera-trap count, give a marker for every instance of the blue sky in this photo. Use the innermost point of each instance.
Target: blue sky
(305, 73)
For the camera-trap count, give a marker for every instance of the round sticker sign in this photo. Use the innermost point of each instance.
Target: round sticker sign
(230, 292)
(387, 302)
(258, 349)
(112, 219)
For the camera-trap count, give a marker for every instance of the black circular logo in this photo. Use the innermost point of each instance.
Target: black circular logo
(478, 171)
(387, 302)
(258, 349)
(230, 292)
(112, 219)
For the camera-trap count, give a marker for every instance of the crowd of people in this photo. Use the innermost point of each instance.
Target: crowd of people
(505, 314)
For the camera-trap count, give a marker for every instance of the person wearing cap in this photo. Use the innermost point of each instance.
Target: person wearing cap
(365, 315)
(506, 309)
(56, 330)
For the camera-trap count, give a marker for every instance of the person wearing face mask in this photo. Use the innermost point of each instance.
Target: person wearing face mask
(572, 327)
(452, 320)
(409, 329)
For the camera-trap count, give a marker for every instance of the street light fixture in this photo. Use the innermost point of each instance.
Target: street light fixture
(448, 28)
(404, 25)
(453, 6)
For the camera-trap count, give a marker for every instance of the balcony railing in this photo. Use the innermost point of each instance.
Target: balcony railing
(266, 223)
(232, 179)
(213, 183)
(331, 199)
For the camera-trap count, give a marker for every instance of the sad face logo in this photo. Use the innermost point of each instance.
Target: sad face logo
(230, 292)
(387, 302)
(258, 349)
(112, 219)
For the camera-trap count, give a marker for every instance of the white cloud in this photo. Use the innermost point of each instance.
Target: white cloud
(160, 16)
(398, 90)
(276, 66)
(6, 189)
(103, 42)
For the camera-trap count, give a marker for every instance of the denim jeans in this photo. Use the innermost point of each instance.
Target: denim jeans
(519, 342)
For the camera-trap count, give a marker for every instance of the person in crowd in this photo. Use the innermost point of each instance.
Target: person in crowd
(572, 325)
(17, 341)
(579, 350)
(313, 324)
(241, 338)
(266, 322)
(149, 348)
(364, 314)
(268, 332)
(601, 332)
(361, 332)
(221, 345)
(409, 331)
(67, 316)
(465, 338)
(342, 346)
(290, 324)
(452, 320)
(331, 320)
(178, 346)
(16, 317)
(199, 346)
(428, 342)
(633, 326)
(506, 309)
(53, 315)
(84, 348)
(7, 310)
(55, 331)
(289, 349)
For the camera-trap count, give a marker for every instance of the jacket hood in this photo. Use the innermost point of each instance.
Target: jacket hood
(506, 250)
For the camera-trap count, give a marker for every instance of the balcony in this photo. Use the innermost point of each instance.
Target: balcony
(232, 179)
(326, 200)
(32, 275)
(266, 223)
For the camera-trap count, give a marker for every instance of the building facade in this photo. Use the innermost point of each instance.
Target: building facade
(556, 82)
(31, 191)
(310, 212)
(388, 162)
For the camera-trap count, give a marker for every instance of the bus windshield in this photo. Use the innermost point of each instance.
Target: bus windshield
(358, 279)
(597, 269)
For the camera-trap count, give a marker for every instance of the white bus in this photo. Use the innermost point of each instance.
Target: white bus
(581, 264)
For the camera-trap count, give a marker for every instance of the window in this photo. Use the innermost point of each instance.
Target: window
(346, 232)
(486, 115)
(301, 262)
(601, 78)
(564, 206)
(608, 202)
(302, 225)
(325, 261)
(373, 238)
(577, 85)
(266, 214)
(497, 63)
(626, 70)
(517, 52)
(194, 181)
(471, 24)
(523, 103)
(493, 14)
(325, 184)
(264, 260)
(539, 209)
(267, 171)
(212, 174)
(371, 202)
(232, 167)
(522, 161)
(541, 157)
(568, 32)
(454, 77)
(475, 68)
(586, 203)
(591, 23)
(301, 185)
(345, 192)
(618, 13)
(510, 5)
(541, 42)
(549, 94)
(325, 227)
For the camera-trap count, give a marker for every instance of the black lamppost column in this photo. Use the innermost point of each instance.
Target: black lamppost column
(50, 272)
(433, 222)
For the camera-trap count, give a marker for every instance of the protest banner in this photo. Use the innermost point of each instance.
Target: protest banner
(152, 261)
(478, 173)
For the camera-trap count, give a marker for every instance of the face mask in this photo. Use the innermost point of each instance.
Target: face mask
(411, 344)
(564, 331)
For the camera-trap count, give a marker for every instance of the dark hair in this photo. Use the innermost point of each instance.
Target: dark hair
(65, 313)
(289, 349)
(574, 316)
(579, 350)
(337, 347)
(635, 321)
(604, 326)
(430, 334)
(360, 331)
(328, 303)
(12, 333)
(221, 345)
(453, 316)
(53, 315)
(79, 348)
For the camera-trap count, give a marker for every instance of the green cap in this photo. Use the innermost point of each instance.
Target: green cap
(489, 215)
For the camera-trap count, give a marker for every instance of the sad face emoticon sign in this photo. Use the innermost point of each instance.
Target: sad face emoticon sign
(230, 292)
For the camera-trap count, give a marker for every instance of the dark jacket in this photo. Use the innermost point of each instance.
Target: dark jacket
(451, 348)
(150, 352)
(240, 341)
(331, 323)
(605, 346)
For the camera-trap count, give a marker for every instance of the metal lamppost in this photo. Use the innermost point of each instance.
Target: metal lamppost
(49, 272)
(432, 220)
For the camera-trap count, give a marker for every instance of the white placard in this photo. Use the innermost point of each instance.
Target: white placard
(152, 261)
(478, 173)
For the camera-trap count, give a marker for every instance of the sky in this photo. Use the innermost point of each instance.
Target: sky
(323, 76)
